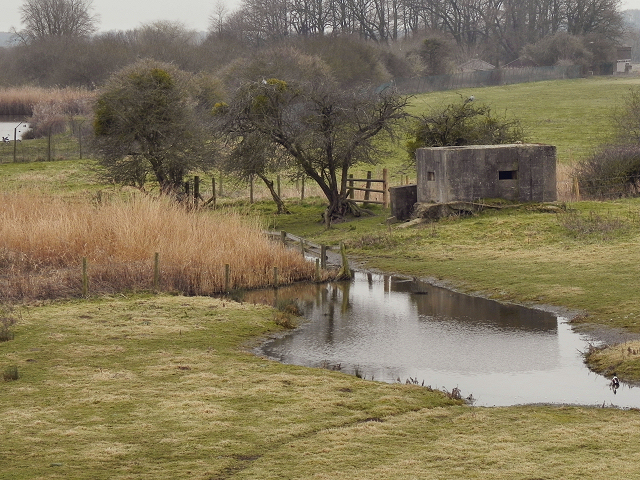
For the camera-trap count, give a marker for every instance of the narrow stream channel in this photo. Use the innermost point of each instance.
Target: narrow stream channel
(391, 329)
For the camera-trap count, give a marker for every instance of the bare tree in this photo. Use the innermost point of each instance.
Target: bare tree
(218, 17)
(56, 18)
(324, 131)
(167, 41)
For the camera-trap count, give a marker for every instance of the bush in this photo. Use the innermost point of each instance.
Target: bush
(593, 226)
(289, 306)
(287, 314)
(463, 123)
(10, 373)
(6, 322)
(6, 333)
(612, 172)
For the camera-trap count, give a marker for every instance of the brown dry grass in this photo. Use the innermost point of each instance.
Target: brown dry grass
(565, 183)
(21, 101)
(43, 241)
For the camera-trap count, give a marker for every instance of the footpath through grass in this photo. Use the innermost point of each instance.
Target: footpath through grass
(161, 387)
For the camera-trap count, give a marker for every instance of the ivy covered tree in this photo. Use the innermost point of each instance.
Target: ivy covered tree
(318, 129)
(462, 123)
(148, 123)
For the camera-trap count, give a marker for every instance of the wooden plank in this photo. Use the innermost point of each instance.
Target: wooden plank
(365, 189)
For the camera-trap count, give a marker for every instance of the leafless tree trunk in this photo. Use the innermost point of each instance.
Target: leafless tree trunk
(56, 18)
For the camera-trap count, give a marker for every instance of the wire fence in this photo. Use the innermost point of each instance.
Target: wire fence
(73, 145)
(485, 78)
(67, 146)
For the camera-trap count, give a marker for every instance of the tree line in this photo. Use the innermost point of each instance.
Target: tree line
(371, 40)
(499, 28)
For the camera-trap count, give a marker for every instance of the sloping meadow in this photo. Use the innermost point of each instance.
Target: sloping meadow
(43, 241)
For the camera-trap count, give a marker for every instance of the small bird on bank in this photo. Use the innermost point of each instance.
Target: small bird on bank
(615, 383)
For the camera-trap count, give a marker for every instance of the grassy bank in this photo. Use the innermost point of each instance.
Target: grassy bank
(160, 387)
(583, 257)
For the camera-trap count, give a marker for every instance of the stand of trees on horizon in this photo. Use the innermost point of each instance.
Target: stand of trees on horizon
(362, 40)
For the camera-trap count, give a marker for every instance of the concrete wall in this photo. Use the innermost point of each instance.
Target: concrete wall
(403, 198)
(518, 172)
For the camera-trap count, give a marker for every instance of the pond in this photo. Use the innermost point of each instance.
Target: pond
(391, 329)
(10, 126)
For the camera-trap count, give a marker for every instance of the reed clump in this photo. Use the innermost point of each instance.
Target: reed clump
(43, 241)
(21, 100)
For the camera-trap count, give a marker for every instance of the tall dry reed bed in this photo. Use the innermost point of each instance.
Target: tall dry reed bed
(22, 100)
(43, 241)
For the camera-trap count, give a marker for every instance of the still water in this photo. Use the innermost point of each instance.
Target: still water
(388, 328)
(10, 125)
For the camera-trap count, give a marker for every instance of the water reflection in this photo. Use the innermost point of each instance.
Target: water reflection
(389, 329)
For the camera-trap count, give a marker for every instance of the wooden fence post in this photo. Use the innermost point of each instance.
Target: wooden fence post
(85, 278)
(385, 188)
(156, 270)
(213, 197)
(368, 187)
(345, 272)
(196, 190)
(251, 189)
(302, 245)
(80, 138)
(283, 237)
(15, 142)
(323, 256)
(278, 181)
(49, 146)
(302, 190)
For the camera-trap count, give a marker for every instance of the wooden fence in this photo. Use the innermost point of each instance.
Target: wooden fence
(193, 189)
(368, 190)
(306, 247)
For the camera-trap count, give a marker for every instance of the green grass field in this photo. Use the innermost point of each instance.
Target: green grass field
(573, 115)
(164, 387)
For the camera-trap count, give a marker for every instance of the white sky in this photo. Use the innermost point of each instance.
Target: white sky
(129, 14)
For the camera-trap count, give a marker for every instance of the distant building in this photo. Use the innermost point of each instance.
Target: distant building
(623, 64)
(521, 62)
(474, 66)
